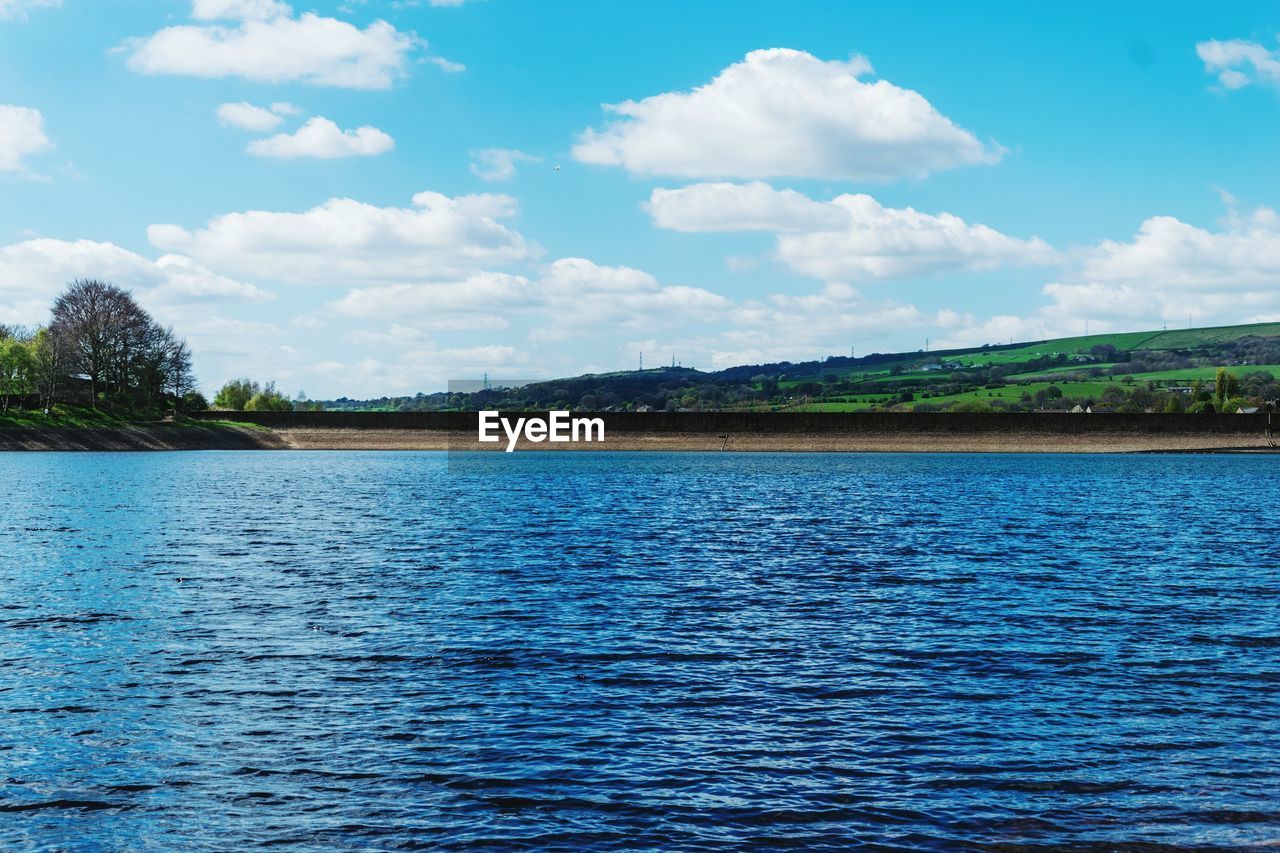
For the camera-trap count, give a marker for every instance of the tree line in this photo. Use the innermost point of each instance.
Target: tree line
(245, 395)
(99, 348)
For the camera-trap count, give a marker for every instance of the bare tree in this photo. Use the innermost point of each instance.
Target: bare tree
(102, 333)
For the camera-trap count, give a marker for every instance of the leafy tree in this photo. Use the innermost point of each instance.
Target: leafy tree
(49, 367)
(269, 400)
(17, 371)
(193, 401)
(236, 394)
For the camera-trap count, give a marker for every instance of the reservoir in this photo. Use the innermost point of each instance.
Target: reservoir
(346, 650)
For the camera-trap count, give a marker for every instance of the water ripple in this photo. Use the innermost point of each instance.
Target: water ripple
(214, 651)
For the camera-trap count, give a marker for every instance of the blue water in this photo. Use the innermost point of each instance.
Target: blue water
(577, 651)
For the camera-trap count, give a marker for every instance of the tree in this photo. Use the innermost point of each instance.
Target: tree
(193, 401)
(236, 394)
(268, 400)
(49, 368)
(17, 371)
(1220, 387)
(100, 332)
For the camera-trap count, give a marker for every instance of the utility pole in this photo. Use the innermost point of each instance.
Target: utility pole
(642, 361)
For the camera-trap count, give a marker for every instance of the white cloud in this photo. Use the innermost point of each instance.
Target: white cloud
(238, 10)
(17, 10)
(1238, 62)
(246, 116)
(21, 134)
(740, 207)
(579, 295)
(427, 365)
(571, 296)
(269, 45)
(321, 139)
(1168, 273)
(498, 164)
(787, 327)
(448, 66)
(472, 303)
(850, 238)
(33, 272)
(345, 241)
(784, 113)
(1169, 253)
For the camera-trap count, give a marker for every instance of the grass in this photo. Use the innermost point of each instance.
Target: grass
(1190, 374)
(224, 424)
(1193, 338)
(83, 417)
(80, 417)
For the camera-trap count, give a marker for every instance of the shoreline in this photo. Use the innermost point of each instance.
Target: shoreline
(866, 442)
(149, 437)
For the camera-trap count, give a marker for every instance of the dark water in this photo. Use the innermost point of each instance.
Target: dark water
(373, 651)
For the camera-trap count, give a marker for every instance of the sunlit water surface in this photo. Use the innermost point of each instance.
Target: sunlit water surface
(375, 651)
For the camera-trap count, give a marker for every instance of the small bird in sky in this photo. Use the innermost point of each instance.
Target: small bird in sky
(555, 168)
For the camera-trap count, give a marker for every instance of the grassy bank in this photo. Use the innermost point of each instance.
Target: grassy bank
(85, 429)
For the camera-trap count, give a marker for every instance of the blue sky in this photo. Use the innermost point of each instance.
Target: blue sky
(363, 197)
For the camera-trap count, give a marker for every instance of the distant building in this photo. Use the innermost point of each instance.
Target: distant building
(1247, 410)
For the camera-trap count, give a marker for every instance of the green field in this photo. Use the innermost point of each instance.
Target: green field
(1191, 374)
(1191, 338)
(62, 416)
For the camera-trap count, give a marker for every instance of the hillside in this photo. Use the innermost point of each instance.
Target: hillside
(1164, 370)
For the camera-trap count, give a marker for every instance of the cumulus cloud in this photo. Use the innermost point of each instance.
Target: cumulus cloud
(1169, 253)
(423, 363)
(571, 295)
(740, 207)
(267, 43)
(472, 303)
(347, 241)
(21, 134)
(850, 238)
(34, 271)
(17, 10)
(498, 164)
(1238, 62)
(321, 139)
(784, 113)
(1169, 272)
(579, 295)
(246, 116)
(789, 327)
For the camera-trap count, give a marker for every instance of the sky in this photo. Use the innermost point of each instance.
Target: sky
(374, 197)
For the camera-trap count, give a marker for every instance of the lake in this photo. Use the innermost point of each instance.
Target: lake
(610, 650)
